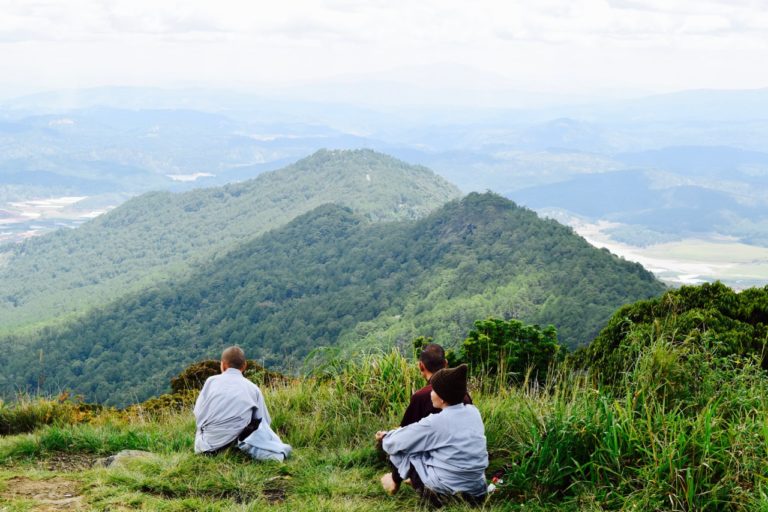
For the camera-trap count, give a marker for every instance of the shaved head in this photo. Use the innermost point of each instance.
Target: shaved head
(433, 357)
(233, 357)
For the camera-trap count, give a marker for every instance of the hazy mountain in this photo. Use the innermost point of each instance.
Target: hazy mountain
(721, 162)
(163, 142)
(725, 106)
(110, 144)
(674, 191)
(160, 234)
(330, 277)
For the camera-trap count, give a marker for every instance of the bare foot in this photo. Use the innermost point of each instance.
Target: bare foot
(389, 484)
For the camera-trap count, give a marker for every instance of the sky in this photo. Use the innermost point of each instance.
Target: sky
(473, 52)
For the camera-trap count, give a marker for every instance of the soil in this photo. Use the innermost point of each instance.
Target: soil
(275, 488)
(50, 495)
(66, 462)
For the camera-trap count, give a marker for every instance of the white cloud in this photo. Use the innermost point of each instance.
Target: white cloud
(51, 43)
(380, 22)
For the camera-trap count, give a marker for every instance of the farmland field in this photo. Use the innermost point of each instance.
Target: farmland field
(690, 261)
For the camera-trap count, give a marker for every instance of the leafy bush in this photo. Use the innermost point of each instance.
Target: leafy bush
(711, 315)
(509, 348)
(194, 376)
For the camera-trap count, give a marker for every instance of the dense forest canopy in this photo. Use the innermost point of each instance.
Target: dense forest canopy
(160, 235)
(330, 278)
(730, 324)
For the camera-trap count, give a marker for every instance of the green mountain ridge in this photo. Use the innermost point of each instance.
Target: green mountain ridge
(330, 278)
(725, 322)
(160, 235)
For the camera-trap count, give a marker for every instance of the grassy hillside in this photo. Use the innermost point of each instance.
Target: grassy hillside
(329, 278)
(158, 235)
(646, 444)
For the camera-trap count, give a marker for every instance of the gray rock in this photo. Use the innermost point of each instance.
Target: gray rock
(120, 458)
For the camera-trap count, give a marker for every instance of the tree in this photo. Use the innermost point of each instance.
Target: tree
(510, 347)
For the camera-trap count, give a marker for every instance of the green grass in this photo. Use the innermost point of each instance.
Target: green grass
(666, 438)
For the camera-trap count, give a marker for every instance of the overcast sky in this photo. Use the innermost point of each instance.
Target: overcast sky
(568, 47)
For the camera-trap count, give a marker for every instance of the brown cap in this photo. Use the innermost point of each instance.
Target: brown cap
(450, 384)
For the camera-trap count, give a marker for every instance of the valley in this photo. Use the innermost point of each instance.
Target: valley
(20, 220)
(290, 214)
(687, 261)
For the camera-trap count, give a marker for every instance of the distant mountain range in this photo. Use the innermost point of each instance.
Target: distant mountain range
(331, 278)
(133, 151)
(701, 162)
(676, 192)
(159, 235)
(110, 144)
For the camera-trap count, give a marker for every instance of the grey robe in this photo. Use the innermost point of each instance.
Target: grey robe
(264, 444)
(224, 407)
(447, 450)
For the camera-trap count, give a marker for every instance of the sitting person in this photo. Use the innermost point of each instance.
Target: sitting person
(443, 454)
(431, 359)
(230, 411)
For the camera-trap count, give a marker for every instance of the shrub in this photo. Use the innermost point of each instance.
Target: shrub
(730, 323)
(510, 348)
(28, 413)
(194, 376)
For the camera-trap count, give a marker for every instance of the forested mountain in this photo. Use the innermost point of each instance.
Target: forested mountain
(109, 144)
(331, 278)
(727, 323)
(158, 235)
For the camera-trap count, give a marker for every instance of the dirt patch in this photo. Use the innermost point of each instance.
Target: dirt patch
(276, 488)
(66, 462)
(52, 494)
(276, 495)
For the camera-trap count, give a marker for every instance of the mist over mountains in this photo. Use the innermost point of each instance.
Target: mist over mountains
(108, 144)
(674, 192)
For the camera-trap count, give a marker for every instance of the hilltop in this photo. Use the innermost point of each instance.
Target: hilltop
(682, 428)
(161, 235)
(730, 324)
(330, 278)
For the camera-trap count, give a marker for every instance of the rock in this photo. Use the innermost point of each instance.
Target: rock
(120, 458)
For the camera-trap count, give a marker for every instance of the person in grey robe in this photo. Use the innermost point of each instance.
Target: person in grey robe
(444, 454)
(227, 404)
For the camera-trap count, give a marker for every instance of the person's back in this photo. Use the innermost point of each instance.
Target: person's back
(456, 446)
(444, 454)
(227, 404)
(431, 359)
